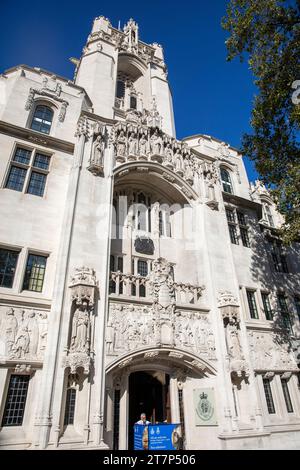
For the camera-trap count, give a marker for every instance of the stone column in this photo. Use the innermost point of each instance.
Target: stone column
(51, 360)
(174, 400)
(123, 421)
(100, 325)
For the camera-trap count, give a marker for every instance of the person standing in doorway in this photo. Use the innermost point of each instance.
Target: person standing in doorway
(143, 420)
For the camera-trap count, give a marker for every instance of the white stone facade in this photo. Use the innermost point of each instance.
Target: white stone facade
(161, 259)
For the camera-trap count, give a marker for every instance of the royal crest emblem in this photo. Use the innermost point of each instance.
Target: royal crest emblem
(205, 409)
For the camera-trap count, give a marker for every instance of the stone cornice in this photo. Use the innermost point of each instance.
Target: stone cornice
(242, 202)
(36, 137)
(207, 137)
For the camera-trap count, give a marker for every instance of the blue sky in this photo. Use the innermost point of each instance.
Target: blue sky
(211, 96)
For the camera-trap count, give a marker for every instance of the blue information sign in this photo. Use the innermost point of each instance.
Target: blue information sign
(157, 437)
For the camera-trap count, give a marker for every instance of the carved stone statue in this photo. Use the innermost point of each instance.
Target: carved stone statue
(143, 144)
(121, 144)
(156, 143)
(178, 161)
(98, 150)
(80, 340)
(169, 153)
(132, 144)
(233, 341)
(188, 172)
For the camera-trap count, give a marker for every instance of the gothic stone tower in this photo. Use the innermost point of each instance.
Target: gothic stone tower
(135, 271)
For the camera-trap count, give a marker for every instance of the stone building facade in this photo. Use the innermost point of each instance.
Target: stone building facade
(138, 272)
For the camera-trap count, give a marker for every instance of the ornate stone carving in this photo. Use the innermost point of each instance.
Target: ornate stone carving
(131, 327)
(271, 352)
(25, 334)
(140, 139)
(223, 150)
(211, 178)
(236, 359)
(96, 161)
(83, 128)
(83, 292)
(62, 111)
(52, 89)
(23, 369)
(83, 286)
(151, 354)
(193, 331)
(162, 282)
(229, 306)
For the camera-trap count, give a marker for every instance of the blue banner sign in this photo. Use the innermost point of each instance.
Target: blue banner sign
(157, 437)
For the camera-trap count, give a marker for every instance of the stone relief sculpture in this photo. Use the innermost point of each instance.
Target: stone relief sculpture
(211, 177)
(131, 327)
(80, 338)
(96, 161)
(270, 352)
(135, 140)
(25, 333)
(156, 143)
(83, 288)
(233, 341)
(229, 307)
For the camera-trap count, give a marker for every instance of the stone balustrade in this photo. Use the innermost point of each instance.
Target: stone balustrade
(130, 285)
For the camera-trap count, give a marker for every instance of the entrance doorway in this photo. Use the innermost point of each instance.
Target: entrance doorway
(148, 393)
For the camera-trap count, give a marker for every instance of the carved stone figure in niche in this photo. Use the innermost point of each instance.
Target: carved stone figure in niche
(178, 161)
(156, 143)
(233, 341)
(98, 150)
(143, 145)
(188, 172)
(169, 153)
(121, 144)
(80, 339)
(10, 330)
(132, 144)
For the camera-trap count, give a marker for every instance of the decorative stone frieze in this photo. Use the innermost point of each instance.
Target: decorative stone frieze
(131, 327)
(270, 351)
(142, 142)
(24, 334)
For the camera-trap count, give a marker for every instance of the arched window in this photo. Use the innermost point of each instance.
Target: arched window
(226, 181)
(42, 119)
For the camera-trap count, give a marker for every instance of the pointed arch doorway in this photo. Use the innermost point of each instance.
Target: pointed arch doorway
(149, 393)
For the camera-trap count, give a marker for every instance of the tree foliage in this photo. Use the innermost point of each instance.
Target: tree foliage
(267, 34)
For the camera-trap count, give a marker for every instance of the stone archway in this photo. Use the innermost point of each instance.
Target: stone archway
(175, 365)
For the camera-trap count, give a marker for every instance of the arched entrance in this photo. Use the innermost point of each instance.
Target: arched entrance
(149, 393)
(151, 381)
